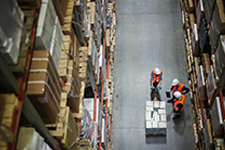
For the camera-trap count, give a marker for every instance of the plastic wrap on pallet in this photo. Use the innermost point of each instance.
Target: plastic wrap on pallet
(200, 12)
(194, 38)
(220, 56)
(89, 104)
(45, 26)
(207, 136)
(217, 118)
(105, 92)
(204, 40)
(114, 19)
(102, 62)
(211, 84)
(200, 118)
(82, 9)
(88, 127)
(56, 44)
(201, 84)
(88, 25)
(30, 139)
(217, 26)
(108, 20)
(104, 133)
(183, 17)
(104, 15)
(218, 17)
(209, 7)
(12, 25)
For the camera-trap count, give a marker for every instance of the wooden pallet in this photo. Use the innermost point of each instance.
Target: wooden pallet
(83, 63)
(80, 114)
(9, 103)
(191, 8)
(65, 130)
(67, 26)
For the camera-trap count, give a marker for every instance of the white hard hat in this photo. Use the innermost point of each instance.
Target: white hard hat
(175, 82)
(157, 71)
(177, 94)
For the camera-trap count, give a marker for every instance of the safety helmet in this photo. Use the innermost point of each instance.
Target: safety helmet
(157, 71)
(177, 94)
(175, 82)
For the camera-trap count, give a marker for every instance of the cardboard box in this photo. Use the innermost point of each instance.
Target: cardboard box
(60, 7)
(44, 86)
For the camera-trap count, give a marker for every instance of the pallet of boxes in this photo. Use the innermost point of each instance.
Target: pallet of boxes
(53, 83)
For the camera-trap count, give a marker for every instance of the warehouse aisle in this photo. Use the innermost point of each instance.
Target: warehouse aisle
(149, 33)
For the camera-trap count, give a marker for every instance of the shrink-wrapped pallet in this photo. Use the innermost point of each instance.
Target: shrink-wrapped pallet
(217, 118)
(211, 84)
(201, 84)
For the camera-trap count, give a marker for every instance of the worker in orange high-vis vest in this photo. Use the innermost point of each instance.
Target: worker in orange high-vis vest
(178, 86)
(178, 104)
(156, 78)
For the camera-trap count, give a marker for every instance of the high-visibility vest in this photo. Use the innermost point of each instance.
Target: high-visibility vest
(156, 78)
(178, 89)
(179, 102)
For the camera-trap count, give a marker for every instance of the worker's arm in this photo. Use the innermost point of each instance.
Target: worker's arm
(185, 90)
(160, 79)
(171, 89)
(151, 79)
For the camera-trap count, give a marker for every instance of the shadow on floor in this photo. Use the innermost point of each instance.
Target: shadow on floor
(156, 139)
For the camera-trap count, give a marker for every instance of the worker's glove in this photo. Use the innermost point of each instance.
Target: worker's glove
(159, 87)
(152, 87)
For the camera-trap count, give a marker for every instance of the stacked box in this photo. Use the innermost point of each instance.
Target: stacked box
(155, 117)
(89, 129)
(204, 40)
(206, 62)
(44, 86)
(60, 7)
(209, 7)
(220, 57)
(89, 105)
(217, 26)
(49, 34)
(30, 139)
(217, 118)
(9, 104)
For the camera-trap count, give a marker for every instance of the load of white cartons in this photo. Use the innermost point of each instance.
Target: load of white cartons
(155, 117)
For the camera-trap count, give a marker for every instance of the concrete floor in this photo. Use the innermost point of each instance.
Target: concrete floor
(149, 34)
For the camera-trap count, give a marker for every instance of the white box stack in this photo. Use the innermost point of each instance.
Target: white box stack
(155, 117)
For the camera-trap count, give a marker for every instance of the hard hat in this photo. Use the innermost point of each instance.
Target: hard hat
(175, 82)
(157, 71)
(177, 94)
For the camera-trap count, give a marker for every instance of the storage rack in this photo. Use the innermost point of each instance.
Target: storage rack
(197, 17)
(18, 84)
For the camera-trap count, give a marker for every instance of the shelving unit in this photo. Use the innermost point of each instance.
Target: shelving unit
(83, 42)
(201, 46)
